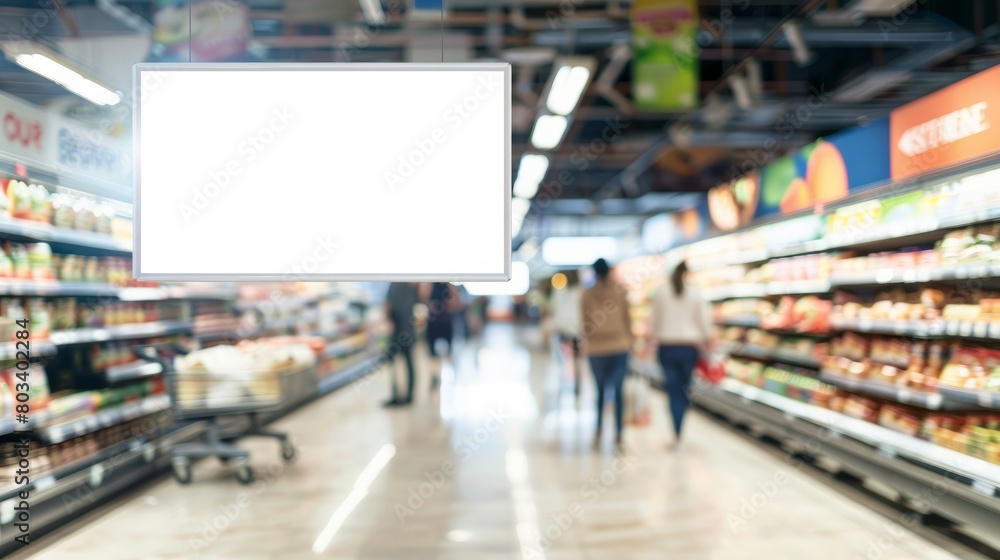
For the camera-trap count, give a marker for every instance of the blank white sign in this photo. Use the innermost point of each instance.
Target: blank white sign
(322, 172)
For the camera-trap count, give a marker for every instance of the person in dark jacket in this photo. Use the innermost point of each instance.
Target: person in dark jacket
(443, 303)
(399, 303)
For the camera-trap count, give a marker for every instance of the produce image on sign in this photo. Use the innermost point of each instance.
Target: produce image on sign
(734, 204)
(826, 170)
(665, 67)
(201, 30)
(956, 124)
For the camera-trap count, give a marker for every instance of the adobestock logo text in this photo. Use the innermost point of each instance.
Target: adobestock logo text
(248, 150)
(425, 147)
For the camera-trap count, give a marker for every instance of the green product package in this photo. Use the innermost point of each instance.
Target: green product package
(665, 63)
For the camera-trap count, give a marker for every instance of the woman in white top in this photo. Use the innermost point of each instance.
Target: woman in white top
(682, 327)
(566, 322)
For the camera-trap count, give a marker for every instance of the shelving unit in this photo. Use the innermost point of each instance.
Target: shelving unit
(902, 395)
(55, 495)
(863, 450)
(970, 487)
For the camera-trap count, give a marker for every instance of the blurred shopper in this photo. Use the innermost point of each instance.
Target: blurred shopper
(399, 303)
(443, 303)
(607, 333)
(566, 322)
(681, 325)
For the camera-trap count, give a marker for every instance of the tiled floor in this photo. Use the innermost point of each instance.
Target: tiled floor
(497, 465)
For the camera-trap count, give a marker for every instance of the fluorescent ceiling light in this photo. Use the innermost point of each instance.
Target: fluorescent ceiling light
(800, 51)
(741, 91)
(518, 285)
(48, 66)
(530, 173)
(518, 210)
(372, 10)
(577, 251)
(549, 130)
(567, 88)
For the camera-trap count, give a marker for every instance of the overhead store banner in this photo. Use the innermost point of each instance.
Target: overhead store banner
(201, 31)
(49, 140)
(281, 184)
(25, 129)
(827, 170)
(734, 205)
(665, 64)
(956, 124)
(77, 148)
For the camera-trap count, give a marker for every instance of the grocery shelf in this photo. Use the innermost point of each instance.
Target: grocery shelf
(39, 231)
(49, 288)
(9, 426)
(798, 287)
(984, 399)
(919, 328)
(285, 305)
(794, 358)
(58, 433)
(967, 489)
(340, 349)
(904, 395)
(9, 350)
(913, 275)
(134, 370)
(747, 256)
(69, 490)
(741, 321)
(52, 288)
(175, 292)
(123, 332)
(732, 291)
(748, 350)
(757, 290)
(346, 374)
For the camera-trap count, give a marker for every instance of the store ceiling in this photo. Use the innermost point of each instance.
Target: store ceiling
(864, 60)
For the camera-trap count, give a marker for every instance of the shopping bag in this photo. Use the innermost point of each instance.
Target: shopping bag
(712, 368)
(636, 393)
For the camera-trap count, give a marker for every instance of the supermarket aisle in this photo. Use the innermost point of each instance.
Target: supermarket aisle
(495, 466)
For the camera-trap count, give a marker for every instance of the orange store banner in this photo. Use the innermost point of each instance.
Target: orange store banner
(956, 124)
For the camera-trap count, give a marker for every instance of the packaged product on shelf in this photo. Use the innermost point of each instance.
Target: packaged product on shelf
(976, 369)
(63, 212)
(900, 419)
(861, 408)
(19, 261)
(6, 397)
(41, 321)
(19, 200)
(40, 261)
(41, 205)
(104, 214)
(6, 265)
(85, 219)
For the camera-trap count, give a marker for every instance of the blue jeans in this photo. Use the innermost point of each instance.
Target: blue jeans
(678, 364)
(609, 372)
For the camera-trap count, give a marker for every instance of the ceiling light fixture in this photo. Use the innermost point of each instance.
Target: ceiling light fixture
(518, 211)
(530, 173)
(800, 51)
(577, 251)
(741, 91)
(549, 130)
(48, 64)
(567, 89)
(372, 10)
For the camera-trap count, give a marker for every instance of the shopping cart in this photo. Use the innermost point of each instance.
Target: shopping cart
(209, 397)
